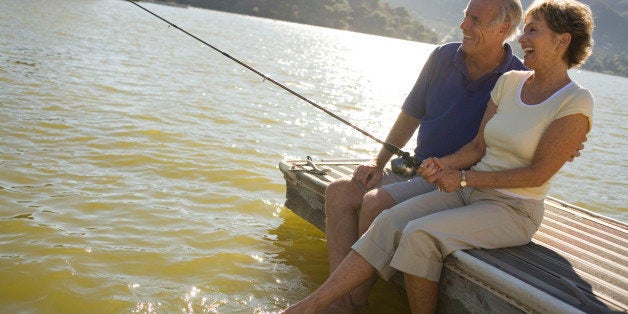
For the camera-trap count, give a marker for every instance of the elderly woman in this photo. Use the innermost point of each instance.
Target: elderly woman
(533, 123)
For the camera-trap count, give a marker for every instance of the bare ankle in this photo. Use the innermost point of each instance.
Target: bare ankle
(358, 301)
(342, 306)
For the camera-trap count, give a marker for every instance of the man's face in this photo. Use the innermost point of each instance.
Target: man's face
(479, 33)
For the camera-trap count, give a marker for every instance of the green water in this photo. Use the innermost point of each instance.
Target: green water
(138, 169)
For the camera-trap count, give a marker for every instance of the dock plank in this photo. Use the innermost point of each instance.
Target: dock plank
(577, 261)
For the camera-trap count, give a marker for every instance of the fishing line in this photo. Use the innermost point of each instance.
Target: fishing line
(405, 156)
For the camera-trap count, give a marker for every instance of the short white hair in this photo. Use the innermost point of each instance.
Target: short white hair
(511, 12)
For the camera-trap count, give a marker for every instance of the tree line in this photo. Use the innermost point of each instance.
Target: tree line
(607, 62)
(365, 16)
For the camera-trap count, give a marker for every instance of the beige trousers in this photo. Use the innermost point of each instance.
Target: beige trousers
(415, 236)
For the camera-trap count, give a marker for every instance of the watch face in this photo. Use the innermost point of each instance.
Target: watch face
(463, 183)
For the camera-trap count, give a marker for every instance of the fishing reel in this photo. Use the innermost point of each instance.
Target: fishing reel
(404, 166)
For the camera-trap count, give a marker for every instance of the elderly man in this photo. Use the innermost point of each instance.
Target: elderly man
(447, 101)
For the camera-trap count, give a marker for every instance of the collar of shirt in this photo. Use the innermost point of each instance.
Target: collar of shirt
(459, 61)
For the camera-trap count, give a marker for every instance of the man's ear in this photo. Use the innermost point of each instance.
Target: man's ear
(504, 27)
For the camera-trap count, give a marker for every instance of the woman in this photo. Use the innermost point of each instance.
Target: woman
(534, 121)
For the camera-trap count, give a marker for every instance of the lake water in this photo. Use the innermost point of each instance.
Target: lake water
(138, 168)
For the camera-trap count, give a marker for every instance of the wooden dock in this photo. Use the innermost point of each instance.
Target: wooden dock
(576, 263)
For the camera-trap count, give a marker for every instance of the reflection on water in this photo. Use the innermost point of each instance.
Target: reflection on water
(138, 168)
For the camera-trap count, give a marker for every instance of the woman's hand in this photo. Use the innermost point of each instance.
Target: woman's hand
(434, 171)
(447, 180)
(429, 167)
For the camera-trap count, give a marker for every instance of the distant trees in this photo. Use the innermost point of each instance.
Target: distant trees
(366, 16)
(608, 62)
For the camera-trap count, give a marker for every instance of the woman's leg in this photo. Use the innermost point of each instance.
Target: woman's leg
(422, 294)
(379, 244)
(490, 221)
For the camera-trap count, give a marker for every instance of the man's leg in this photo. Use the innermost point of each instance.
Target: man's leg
(343, 198)
(343, 202)
(373, 203)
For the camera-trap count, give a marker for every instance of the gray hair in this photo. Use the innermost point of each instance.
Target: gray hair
(510, 12)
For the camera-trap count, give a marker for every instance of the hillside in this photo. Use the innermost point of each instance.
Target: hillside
(366, 16)
(400, 19)
(611, 21)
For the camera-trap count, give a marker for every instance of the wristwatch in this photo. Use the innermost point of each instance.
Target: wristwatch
(463, 178)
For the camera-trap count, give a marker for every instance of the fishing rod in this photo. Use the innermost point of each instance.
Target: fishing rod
(398, 166)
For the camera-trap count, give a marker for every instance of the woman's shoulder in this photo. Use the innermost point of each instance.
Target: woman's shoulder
(575, 99)
(517, 74)
(514, 77)
(582, 96)
(582, 91)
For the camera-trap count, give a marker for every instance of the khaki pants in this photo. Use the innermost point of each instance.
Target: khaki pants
(415, 236)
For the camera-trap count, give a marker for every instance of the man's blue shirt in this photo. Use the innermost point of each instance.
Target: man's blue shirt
(448, 103)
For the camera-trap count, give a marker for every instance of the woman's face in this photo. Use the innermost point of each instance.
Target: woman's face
(541, 46)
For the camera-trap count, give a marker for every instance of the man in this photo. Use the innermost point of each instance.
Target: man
(448, 102)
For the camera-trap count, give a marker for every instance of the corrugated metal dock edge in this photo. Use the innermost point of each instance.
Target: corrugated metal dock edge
(576, 262)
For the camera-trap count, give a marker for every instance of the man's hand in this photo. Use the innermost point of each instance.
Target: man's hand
(368, 174)
(577, 152)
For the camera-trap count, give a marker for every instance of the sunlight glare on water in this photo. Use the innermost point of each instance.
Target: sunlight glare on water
(138, 168)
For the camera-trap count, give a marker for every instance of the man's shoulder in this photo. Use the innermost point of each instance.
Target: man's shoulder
(515, 62)
(447, 49)
(444, 55)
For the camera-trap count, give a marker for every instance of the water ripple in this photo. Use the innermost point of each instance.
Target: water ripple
(138, 169)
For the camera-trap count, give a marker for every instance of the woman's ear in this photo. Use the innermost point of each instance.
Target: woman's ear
(564, 40)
